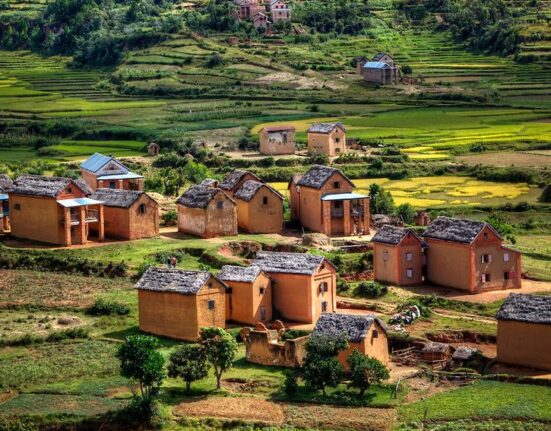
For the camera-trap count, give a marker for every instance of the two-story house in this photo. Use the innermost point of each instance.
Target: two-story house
(106, 172)
(327, 138)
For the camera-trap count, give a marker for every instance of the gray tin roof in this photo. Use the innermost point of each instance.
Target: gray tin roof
(116, 197)
(243, 274)
(289, 263)
(173, 280)
(354, 326)
(198, 196)
(526, 308)
(325, 127)
(318, 175)
(455, 229)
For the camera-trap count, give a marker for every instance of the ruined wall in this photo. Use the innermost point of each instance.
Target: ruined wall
(525, 344)
(262, 347)
(274, 143)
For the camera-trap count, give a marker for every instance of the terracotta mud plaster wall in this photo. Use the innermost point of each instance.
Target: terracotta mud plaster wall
(211, 221)
(525, 344)
(256, 217)
(129, 223)
(244, 303)
(263, 348)
(449, 264)
(274, 143)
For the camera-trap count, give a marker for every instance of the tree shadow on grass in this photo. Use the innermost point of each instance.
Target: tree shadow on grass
(135, 330)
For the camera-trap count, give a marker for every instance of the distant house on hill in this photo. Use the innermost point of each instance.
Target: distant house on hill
(327, 138)
(277, 140)
(304, 285)
(54, 210)
(280, 11)
(175, 303)
(128, 214)
(524, 331)
(382, 69)
(261, 21)
(153, 149)
(5, 185)
(259, 208)
(469, 255)
(206, 212)
(364, 333)
(247, 9)
(100, 171)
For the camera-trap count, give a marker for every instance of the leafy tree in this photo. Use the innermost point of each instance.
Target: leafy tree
(140, 360)
(365, 371)
(407, 212)
(500, 224)
(339, 16)
(546, 194)
(220, 348)
(190, 363)
(406, 69)
(381, 202)
(321, 367)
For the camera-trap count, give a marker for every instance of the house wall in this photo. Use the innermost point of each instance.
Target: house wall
(274, 143)
(410, 244)
(262, 347)
(89, 178)
(192, 220)
(374, 347)
(326, 143)
(244, 303)
(525, 344)
(178, 316)
(129, 223)
(450, 264)
(39, 219)
(294, 203)
(255, 217)
(211, 221)
(385, 271)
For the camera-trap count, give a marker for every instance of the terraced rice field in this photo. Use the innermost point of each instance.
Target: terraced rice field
(427, 192)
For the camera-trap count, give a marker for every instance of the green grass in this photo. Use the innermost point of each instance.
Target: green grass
(483, 400)
(536, 255)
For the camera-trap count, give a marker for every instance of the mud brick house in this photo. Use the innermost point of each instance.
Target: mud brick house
(249, 294)
(176, 304)
(5, 185)
(259, 208)
(364, 333)
(469, 255)
(246, 9)
(422, 218)
(323, 200)
(280, 11)
(234, 180)
(381, 70)
(436, 352)
(277, 140)
(101, 171)
(54, 210)
(128, 214)
(327, 138)
(524, 331)
(398, 256)
(153, 149)
(206, 212)
(260, 20)
(303, 285)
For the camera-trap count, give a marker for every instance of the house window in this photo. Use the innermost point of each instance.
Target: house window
(337, 185)
(375, 333)
(409, 273)
(385, 256)
(485, 235)
(486, 258)
(263, 313)
(211, 304)
(141, 209)
(505, 257)
(485, 278)
(324, 306)
(323, 287)
(265, 200)
(112, 185)
(337, 140)
(262, 290)
(220, 205)
(17, 207)
(506, 275)
(409, 257)
(69, 189)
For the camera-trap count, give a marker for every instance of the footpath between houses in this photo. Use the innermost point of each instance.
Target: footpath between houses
(266, 412)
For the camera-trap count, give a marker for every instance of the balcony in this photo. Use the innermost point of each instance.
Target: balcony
(90, 217)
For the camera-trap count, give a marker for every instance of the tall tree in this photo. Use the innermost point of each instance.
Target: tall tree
(220, 347)
(365, 371)
(189, 362)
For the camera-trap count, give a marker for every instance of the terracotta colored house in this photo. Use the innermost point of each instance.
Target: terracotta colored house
(398, 256)
(206, 212)
(249, 294)
(327, 138)
(176, 304)
(469, 255)
(364, 333)
(53, 210)
(422, 218)
(128, 214)
(261, 21)
(234, 180)
(277, 140)
(381, 70)
(323, 200)
(246, 9)
(524, 331)
(303, 285)
(153, 149)
(280, 11)
(259, 208)
(5, 185)
(100, 172)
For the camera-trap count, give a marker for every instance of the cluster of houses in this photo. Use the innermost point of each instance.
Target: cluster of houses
(323, 138)
(262, 13)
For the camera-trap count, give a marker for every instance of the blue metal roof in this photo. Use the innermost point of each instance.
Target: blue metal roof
(343, 196)
(127, 176)
(70, 203)
(95, 162)
(3, 197)
(375, 65)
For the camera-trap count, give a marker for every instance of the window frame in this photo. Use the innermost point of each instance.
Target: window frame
(211, 305)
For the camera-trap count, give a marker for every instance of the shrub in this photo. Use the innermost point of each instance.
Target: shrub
(371, 289)
(290, 384)
(106, 308)
(189, 363)
(365, 371)
(170, 218)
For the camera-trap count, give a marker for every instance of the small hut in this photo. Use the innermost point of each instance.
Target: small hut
(153, 149)
(436, 352)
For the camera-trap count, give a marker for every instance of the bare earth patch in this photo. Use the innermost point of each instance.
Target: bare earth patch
(299, 82)
(250, 409)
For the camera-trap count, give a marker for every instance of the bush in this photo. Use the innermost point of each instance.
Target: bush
(371, 289)
(290, 385)
(170, 218)
(106, 308)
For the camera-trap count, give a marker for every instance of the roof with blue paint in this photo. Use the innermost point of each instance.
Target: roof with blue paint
(343, 196)
(97, 161)
(71, 203)
(3, 197)
(375, 65)
(127, 176)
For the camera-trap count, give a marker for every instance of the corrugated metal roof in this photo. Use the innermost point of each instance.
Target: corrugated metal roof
(95, 162)
(375, 65)
(3, 197)
(127, 176)
(71, 203)
(343, 196)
